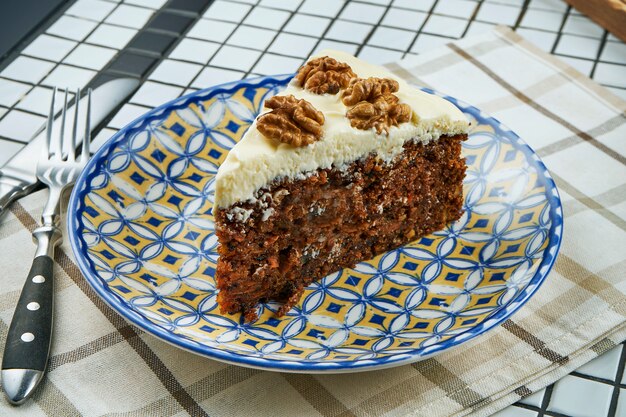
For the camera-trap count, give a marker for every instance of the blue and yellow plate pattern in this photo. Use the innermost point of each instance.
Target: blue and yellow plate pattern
(142, 231)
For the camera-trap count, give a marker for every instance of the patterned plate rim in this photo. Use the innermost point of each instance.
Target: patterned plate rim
(78, 245)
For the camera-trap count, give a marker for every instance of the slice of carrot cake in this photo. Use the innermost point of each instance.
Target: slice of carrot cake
(348, 162)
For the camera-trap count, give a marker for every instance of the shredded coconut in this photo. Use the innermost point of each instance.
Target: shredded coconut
(317, 210)
(239, 214)
(311, 253)
(267, 214)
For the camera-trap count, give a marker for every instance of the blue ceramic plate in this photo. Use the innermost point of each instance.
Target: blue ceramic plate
(142, 231)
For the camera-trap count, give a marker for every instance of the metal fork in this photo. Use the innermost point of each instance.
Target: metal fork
(28, 340)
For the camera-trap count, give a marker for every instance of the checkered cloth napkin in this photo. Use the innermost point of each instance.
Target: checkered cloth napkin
(102, 365)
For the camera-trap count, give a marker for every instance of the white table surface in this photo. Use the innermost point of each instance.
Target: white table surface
(234, 39)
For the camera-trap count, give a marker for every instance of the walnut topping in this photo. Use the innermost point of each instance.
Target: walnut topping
(324, 75)
(368, 89)
(374, 104)
(291, 121)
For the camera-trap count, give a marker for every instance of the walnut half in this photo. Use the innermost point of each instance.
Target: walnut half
(293, 121)
(324, 75)
(374, 104)
(367, 89)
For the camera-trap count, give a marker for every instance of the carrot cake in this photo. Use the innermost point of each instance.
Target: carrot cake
(349, 161)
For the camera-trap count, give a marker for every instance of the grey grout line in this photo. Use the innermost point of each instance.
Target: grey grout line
(421, 28)
(478, 2)
(618, 383)
(30, 111)
(593, 378)
(330, 24)
(159, 59)
(63, 63)
(574, 56)
(560, 31)
(222, 44)
(332, 39)
(468, 22)
(359, 46)
(13, 53)
(17, 81)
(374, 28)
(600, 49)
(84, 41)
(520, 17)
(278, 32)
(56, 64)
(555, 32)
(615, 383)
(145, 28)
(526, 6)
(6, 139)
(619, 87)
(472, 18)
(545, 401)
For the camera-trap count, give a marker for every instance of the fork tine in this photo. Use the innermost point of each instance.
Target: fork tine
(71, 152)
(84, 155)
(50, 123)
(59, 141)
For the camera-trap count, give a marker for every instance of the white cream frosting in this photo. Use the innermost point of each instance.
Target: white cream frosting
(256, 160)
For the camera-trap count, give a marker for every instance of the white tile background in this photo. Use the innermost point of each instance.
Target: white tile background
(234, 39)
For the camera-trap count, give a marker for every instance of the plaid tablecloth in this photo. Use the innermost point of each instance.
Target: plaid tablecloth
(100, 365)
